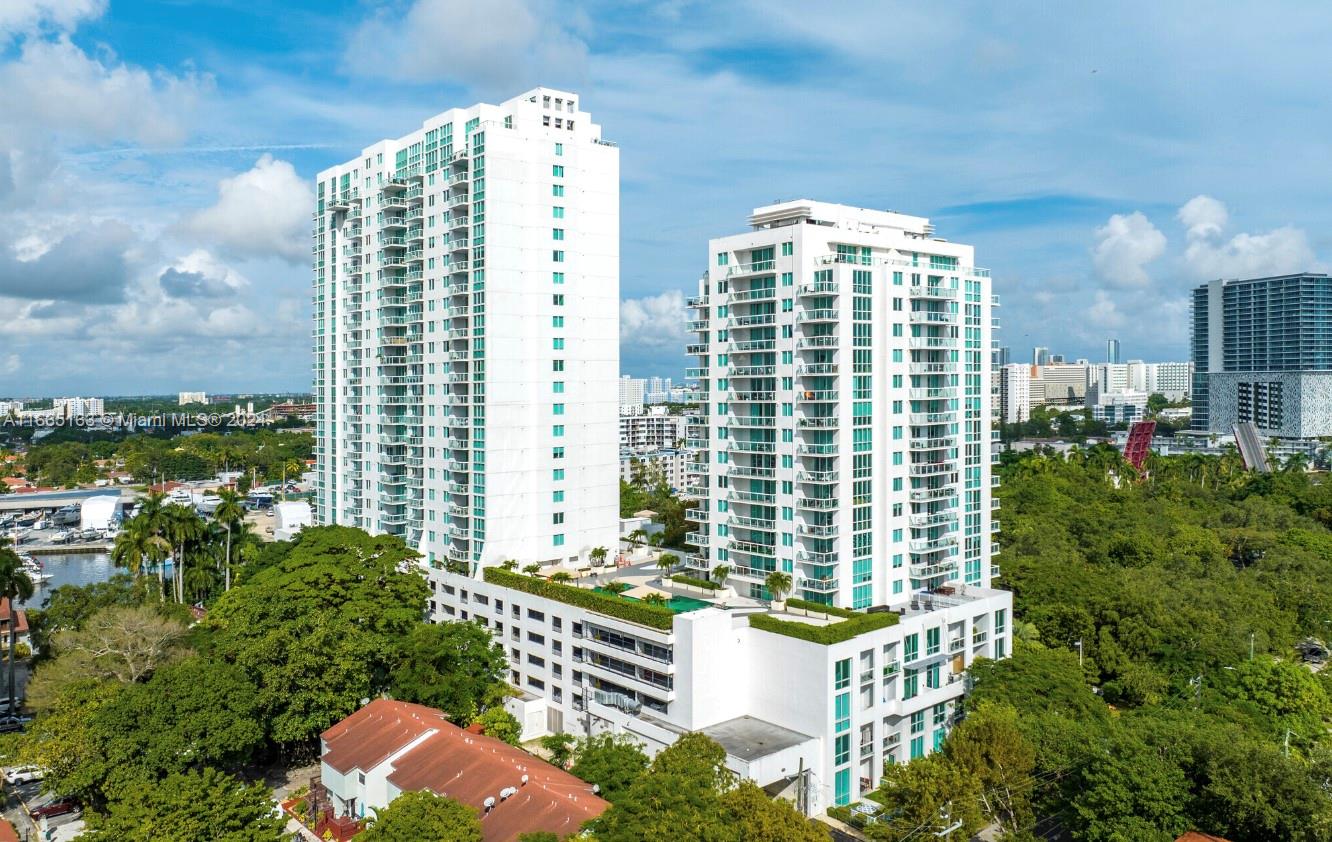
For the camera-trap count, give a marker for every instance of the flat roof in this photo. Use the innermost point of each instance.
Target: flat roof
(749, 738)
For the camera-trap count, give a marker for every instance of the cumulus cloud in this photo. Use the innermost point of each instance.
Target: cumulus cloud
(488, 44)
(23, 16)
(200, 275)
(656, 322)
(1104, 311)
(1209, 255)
(263, 212)
(1124, 246)
(10, 364)
(88, 267)
(54, 89)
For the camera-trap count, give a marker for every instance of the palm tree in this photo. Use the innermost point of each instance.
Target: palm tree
(719, 574)
(778, 584)
(152, 520)
(509, 564)
(666, 561)
(136, 548)
(229, 512)
(598, 556)
(15, 585)
(561, 576)
(654, 599)
(638, 536)
(183, 526)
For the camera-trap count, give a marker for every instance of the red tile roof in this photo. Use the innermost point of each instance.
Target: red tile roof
(4, 617)
(464, 766)
(372, 734)
(1195, 836)
(7, 832)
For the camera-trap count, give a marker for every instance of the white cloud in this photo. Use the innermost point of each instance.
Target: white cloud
(1125, 245)
(54, 89)
(654, 322)
(262, 212)
(10, 364)
(1203, 216)
(200, 275)
(493, 45)
(1210, 255)
(1104, 311)
(25, 16)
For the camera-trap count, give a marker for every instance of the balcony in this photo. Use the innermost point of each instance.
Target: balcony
(820, 288)
(760, 294)
(921, 445)
(751, 421)
(817, 396)
(752, 472)
(818, 585)
(932, 469)
(819, 504)
(935, 394)
(931, 317)
(754, 321)
(932, 343)
(821, 423)
(752, 397)
(933, 571)
(817, 476)
(760, 267)
(815, 316)
(807, 342)
(811, 369)
(753, 371)
(932, 291)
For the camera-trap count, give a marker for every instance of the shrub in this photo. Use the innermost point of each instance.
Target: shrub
(654, 616)
(697, 583)
(825, 635)
(820, 608)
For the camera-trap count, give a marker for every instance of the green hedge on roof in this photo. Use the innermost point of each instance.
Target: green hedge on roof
(654, 616)
(825, 635)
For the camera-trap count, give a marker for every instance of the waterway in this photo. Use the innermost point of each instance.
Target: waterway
(71, 569)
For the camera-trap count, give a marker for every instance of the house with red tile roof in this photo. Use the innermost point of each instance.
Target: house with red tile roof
(6, 617)
(387, 748)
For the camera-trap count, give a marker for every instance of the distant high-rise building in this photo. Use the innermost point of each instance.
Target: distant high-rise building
(187, 398)
(1056, 359)
(1003, 357)
(658, 390)
(1112, 351)
(632, 392)
(1014, 393)
(77, 407)
(466, 339)
(1262, 352)
(1040, 356)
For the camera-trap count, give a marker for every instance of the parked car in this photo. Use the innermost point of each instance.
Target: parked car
(23, 775)
(63, 807)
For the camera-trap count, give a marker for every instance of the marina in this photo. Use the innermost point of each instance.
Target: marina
(53, 571)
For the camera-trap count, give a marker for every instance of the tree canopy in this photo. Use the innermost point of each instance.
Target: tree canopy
(422, 817)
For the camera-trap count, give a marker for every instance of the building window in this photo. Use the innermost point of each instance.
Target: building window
(559, 540)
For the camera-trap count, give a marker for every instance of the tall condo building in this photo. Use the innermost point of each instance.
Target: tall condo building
(1262, 352)
(1112, 351)
(466, 295)
(845, 438)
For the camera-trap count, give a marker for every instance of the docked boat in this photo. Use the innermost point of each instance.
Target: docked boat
(33, 568)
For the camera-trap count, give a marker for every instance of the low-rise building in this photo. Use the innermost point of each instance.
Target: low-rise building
(781, 688)
(673, 465)
(652, 429)
(1117, 407)
(388, 747)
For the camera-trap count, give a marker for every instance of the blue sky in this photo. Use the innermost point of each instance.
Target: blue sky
(155, 157)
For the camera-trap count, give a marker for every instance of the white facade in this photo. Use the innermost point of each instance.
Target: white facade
(1059, 385)
(99, 512)
(651, 428)
(466, 341)
(772, 700)
(673, 464)
(1015, 393)
(845, 436)
(185, 398)
(1117, 407)
(632, 390)
(77, 407)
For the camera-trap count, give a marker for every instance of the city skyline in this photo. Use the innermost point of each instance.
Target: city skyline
(1090, 232)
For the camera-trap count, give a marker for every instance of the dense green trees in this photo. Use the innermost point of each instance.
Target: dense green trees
(611, 761)
(189, 807)
(319, 630)
(649, 490)
(688, 793)
(423, 817)
(451, 666)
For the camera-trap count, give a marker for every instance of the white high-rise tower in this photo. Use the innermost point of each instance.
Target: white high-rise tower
(466, 298)
(845, 438)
